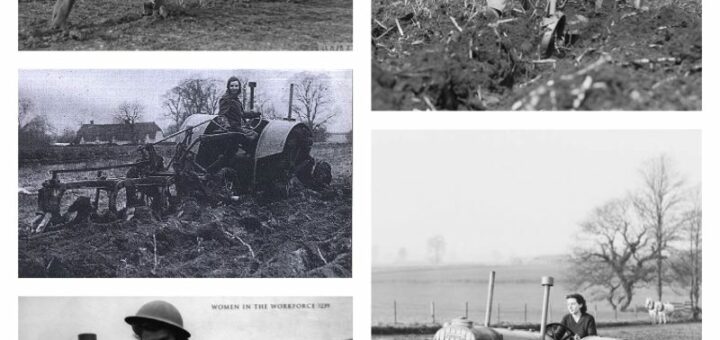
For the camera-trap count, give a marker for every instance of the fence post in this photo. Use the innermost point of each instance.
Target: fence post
(466, 310)
(525, 312)
(432, 311)
(615, 313)
(597, 316)
(395, 310)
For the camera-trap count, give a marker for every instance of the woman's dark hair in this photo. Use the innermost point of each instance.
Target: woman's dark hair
(232, 79)
(580, 299)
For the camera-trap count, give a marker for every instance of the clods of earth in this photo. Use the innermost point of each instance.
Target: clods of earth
(190, 25)
(308, 234)
(449, 55)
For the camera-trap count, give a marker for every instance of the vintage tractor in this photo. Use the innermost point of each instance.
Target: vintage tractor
(464, 329)
(209, 164)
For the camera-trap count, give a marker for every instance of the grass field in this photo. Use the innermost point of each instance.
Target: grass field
(449, 287)
(196, 25)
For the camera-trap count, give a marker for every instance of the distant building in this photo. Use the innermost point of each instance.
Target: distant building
(125, 133)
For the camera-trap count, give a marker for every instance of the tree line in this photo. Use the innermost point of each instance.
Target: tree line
(313, 103)
(650, 237)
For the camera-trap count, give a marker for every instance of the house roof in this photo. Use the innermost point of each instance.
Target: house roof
(125, 131)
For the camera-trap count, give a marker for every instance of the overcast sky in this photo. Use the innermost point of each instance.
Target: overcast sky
(499, 195)
(63, 318)
(72, 97)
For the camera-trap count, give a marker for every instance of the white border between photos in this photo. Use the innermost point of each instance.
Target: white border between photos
(363, 121)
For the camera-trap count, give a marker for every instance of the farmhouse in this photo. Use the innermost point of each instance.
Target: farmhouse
(125, 133)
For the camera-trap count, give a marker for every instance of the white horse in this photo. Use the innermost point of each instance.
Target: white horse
(658, 310)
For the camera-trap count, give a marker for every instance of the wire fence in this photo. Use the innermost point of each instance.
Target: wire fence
(432, 312)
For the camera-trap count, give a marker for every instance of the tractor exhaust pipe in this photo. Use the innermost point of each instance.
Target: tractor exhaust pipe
(290, 101)
(252, 85)
(488, 307)
(546, 282)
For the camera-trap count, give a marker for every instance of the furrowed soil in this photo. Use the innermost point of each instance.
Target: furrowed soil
(618, 58)
(307, 234)
(196, 25)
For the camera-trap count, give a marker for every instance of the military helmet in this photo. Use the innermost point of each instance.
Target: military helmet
(159, 311)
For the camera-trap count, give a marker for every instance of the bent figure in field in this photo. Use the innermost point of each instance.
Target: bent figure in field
(578, 321)
(62, 8)
(158, 320)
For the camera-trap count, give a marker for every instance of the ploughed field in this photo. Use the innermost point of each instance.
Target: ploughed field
(191, 25)
(307, 234)
(447, 55)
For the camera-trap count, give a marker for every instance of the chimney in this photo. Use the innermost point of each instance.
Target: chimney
(92, 122)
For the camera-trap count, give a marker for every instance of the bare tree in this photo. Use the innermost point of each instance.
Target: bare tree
(614, 253)
(37, 132)
(25, 107)
(267, 108)
(436, 248)
(313, 100)
(129, 112)
(686, 264)
(659, 202)
(191, 96)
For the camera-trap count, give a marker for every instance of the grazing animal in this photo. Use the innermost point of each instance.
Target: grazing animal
(658, 310)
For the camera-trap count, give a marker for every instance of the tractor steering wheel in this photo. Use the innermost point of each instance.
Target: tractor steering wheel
(558, 331)
(257, 120)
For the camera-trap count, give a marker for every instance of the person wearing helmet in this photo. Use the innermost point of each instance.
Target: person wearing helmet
(158, 320)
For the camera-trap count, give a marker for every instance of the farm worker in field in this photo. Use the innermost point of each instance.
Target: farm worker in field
(578, 320)
(231, 108)
(158, 320)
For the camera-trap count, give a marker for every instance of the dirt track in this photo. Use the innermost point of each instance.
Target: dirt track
(618, 59)
(308, 234)
(212, 25)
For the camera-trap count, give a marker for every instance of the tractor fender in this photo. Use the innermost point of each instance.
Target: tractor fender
(273, 137)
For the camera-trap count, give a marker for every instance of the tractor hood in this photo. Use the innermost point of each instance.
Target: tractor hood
(271, 140)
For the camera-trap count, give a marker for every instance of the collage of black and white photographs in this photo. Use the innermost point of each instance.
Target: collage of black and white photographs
(358, 169)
